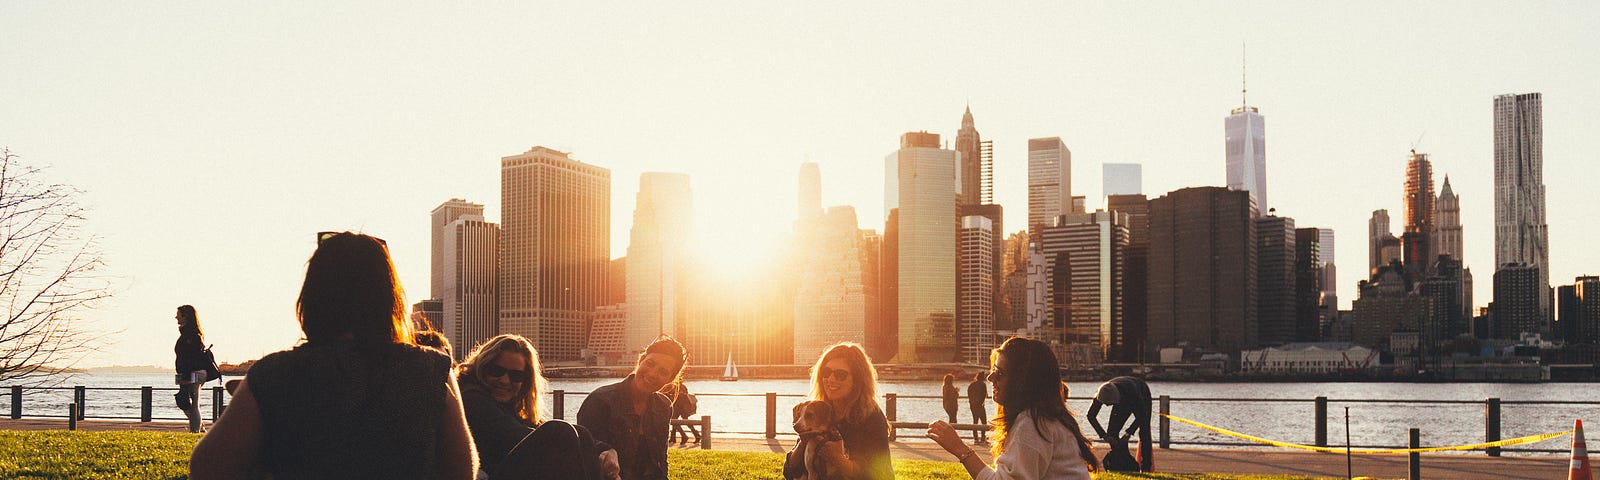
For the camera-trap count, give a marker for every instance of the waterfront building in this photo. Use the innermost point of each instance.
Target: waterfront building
(555, 248)
(1121, 179)
(975, 286)
(471, 298)
(1384, 306)
(1090, 251)
(1377, 231)
(920, 191)
(1517, 293)
(1521, 236)
(883, 334)
(1276, 321)
(970, 165)
(1449, 319)
(836, 297)
(996, 216)
(1135, 284)
(1329, 299)
(1308, 290)
(606, 330)
(1586, 325)
(1309, 358)
(1049, 181)
(1202, 270)
(1246, 144)
(442, 215)
(658, 259)
(1415, 240)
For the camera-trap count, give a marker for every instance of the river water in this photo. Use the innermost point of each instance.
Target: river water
(1278, 411)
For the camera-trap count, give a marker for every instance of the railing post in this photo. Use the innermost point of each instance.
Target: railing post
(1166, 423)
(79, 395)
(1322, 421)
(772, 415)
(1415, 462)
(216, 403)
(888, 411)
(705, 432)
(558, 402)
(72, 416)
(1491, 424)
(146, 396)
(16, 402)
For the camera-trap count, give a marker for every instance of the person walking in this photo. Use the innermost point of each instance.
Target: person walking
(845, 378)
(1036, 436)
(977, 396)
(191, 364)
(1128, 397)
(500, 387)
(357, 399)
(632, 415)
(951, 396)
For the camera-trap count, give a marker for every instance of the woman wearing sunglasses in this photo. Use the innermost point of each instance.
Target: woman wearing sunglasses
(500, 385)
(357, 400)
(844, 377)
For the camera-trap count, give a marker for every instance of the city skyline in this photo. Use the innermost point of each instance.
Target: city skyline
(211, 146)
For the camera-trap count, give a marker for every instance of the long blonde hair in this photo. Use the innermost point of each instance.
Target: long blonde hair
(527, 398)
(863, 379)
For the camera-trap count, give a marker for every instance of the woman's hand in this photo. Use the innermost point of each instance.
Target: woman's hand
(947, 437)
(609, 465)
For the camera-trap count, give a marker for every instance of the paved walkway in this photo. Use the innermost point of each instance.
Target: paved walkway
(1187, 460)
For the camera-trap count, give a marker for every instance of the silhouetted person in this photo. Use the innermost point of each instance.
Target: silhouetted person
(684, 405)
(191, 364)
(977, 394)
(951, 396)
(1128, 397)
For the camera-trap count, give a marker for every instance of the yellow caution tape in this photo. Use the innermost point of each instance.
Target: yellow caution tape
(1479, 446)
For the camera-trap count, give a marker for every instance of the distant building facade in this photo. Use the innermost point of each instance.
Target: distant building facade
(1275, 280)
(920, 193)
(1521, 237)
(837, 296)
(1202, 270)
(1122, 179)
(975, 283)
(658, 259)
(1049, 181)
(471, 299)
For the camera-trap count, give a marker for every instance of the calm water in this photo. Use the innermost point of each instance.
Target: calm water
(1373, 424)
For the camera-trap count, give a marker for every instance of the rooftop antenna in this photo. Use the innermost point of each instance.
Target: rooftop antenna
(1418, 143)
(1243, 83)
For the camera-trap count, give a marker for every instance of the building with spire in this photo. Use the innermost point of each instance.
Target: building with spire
(1447, 239)
(1246, 142)
(971, 163)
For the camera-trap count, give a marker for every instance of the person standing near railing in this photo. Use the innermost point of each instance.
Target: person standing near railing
(951, 397)
(191, 365)
(977, 394)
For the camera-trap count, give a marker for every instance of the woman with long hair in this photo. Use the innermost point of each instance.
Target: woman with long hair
(191, 364)
(845, 378)
(500, 384)
(1036, 436)
(357, 399)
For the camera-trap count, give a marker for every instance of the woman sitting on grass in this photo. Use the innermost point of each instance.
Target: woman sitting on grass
(357, 399)
(500, 385)
(845, 378)
(1036, 437)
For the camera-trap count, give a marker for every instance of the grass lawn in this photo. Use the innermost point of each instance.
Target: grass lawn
(153, 455)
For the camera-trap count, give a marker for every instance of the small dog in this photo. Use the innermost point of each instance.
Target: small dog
(814, 421)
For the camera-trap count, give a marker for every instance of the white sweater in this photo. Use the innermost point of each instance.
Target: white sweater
(1030, 456)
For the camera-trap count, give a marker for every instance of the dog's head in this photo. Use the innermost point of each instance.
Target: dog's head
(813, 417)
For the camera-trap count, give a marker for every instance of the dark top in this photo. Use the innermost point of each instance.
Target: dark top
(641, 442)
(977, 392)
(495, 429)
(866, 443)
(190, 352)
(339, 410)
(951, 395)
(1134, 400)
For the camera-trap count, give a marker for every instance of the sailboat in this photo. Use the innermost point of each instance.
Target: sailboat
(730, 373)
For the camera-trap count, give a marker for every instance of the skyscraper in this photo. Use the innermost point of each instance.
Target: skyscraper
(810, 204)
(657, 259)
(1091, 252)
(1049, 181)
(555, 246)
(1121, 179)
(471, 277)
(920, 194)
(1447, 239)
(1276, 256)
(1377, 230)
(969, 172)
(835, 300)
(1135, 285)
(975, 289)
(1307, 285)
(1416, 240)
(1520, 234)
(1517, 293)
(1202, 270)
(1330, 275)
(1246, 142)
(443, 214)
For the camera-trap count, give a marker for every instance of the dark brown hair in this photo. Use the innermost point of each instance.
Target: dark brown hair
(189, 322)
(351, 293)
(1033, 385)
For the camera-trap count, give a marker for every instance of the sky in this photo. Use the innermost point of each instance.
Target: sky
(212, 139)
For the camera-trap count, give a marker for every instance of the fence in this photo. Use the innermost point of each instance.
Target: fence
(1382, 423)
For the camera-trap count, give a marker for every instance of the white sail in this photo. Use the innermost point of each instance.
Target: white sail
(731, 371)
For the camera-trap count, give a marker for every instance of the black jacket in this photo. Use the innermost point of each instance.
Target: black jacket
(640, 441)
(866, 442)
(190, 351)
(496, 431)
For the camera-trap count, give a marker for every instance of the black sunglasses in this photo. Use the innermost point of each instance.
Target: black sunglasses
(324, 236)
(519, 376)
(840, 374)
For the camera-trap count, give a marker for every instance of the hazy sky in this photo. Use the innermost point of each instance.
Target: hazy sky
(214, 138)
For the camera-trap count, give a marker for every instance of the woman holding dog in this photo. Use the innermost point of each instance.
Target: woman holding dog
(1036, 437)
(845, 379)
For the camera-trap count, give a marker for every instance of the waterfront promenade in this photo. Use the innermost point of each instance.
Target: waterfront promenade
(1185, 460)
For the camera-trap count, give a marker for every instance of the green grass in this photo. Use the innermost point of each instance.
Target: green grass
(147, 455)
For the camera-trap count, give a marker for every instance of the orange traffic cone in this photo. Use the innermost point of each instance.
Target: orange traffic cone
(1580, 456)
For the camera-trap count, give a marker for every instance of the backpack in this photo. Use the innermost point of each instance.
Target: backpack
(686, 405)
(212, 373)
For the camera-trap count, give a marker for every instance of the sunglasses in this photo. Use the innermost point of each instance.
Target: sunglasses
(519, 376)
(324, 236)
(840, 374)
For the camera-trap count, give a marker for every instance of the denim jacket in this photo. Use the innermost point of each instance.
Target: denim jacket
(641, 442)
